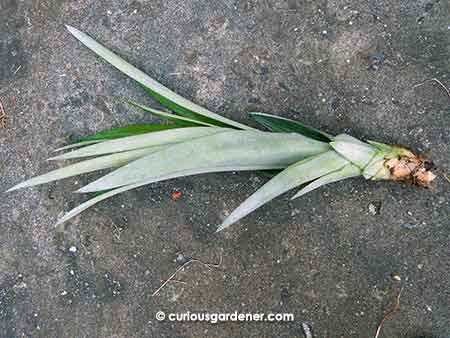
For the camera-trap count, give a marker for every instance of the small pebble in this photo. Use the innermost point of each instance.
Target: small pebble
(409, 226)
(374, 208)
(376, 60)
(396, 278)
(182, 259)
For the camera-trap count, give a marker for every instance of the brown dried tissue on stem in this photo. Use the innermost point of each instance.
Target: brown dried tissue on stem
(409, 167)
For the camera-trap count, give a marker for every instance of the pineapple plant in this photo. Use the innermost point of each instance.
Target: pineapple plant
(199, 141)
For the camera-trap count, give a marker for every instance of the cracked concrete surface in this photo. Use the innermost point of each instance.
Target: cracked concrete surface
(325, 257)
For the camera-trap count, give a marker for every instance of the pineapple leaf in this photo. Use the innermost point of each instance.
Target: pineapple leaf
(104, 194)
(357, 152)
(283, 125)
(127, 131)
(140, 141)
(181, 120)
(381, 146)
(184, 112)
(347, 171)
(99, 163)
(161, 93)
(78, 145)
(230, 148)
(293, 176)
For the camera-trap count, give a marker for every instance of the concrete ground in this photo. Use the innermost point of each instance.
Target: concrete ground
(328, 258)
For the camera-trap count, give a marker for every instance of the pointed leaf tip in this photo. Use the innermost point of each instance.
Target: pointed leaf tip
(16, 187)
(164, 95)
(72, 29)
(299, 173)
(221, 227)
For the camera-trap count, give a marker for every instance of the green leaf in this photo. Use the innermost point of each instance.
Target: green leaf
(182, 111)
(99, 163)
(181, 120)
(78, 145)
(347, 171)
(293, 176)
(244, 148)
(99, 193)
(140, 141)
(283, 125)
(127, 131)
(166, 97)
(105, 194)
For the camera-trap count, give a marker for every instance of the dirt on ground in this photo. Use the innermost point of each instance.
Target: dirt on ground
(335, 258)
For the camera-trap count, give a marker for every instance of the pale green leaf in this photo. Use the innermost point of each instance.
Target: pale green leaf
(171, 99)
(99, 163)
(381, 146)
(293, 176)
(141, 141)
(356, 151)
(76, 211)
(347, 171)
(230, 148)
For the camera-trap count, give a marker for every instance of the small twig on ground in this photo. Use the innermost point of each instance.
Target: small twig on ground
(171, 278)
(438, 82)
(176, 281)
(17, 69)
(389, 314)
(443, 173)
(307, 331)
(2, 116)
